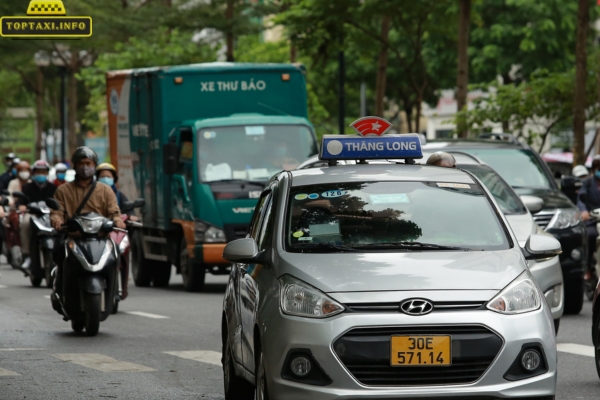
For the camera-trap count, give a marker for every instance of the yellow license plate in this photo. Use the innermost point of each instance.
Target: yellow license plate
(420, 350)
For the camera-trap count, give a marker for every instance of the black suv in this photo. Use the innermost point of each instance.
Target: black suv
(528, 174)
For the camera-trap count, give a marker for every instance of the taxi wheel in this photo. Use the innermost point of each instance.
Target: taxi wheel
(261, 380)
(236, 388)
(596, 339)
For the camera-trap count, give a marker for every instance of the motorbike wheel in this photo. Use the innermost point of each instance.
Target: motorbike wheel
(92, 313)
(193, 274)
(77, 325)
(140, 267)
(115, 308)
(35, 282)
(48, 266)
(596, 339)
(574, 296)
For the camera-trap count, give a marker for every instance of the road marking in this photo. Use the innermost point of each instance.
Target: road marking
(5, 372)
(21, 349)
(204, 356)
(144, 314)
(47, 296)
(102, 363)
(3, 287)
(576, 349)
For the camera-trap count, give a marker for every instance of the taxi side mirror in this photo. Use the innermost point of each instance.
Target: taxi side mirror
(534, 204)
(243, 251)
(539, 247)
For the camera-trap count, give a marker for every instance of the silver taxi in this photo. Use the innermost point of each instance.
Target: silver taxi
(384, 281)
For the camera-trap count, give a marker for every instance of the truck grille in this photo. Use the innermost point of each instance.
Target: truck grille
(365, 352)
(543, 218)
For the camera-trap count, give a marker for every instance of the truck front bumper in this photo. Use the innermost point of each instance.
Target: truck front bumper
(210, 253)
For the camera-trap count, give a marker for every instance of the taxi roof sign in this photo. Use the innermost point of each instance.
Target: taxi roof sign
(369, 126)
(52, 7)
(354, 147)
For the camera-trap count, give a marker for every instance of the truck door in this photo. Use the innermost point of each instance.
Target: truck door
(182, 180)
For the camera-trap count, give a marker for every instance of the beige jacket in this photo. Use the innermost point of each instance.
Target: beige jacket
(102, 201)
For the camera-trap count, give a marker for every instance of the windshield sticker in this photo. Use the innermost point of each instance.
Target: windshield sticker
(454, 185)
(210, 135)
(313, 196)
(306, 238)
(324, 229)
(301, 196)
(255, 130)
(389, 198)
(298, 234)
(334, 193)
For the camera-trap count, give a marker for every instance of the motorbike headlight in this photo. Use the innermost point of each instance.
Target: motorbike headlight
(206, 233)
(91, 225)
(124, 244)
(301, 299)
(564, 218)
(520, 296)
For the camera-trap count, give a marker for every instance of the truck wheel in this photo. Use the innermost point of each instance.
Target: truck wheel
(92, 313)
(574, 296)
(140, 267)
(192, 274)
(162, 274)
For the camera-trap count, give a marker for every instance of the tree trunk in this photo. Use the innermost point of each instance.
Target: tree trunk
(39, 113)
(293, 52)
(229, 35)
(408, 111)
(462, 77)
(418, 116)
(579, 103)
(72, 104)
(382, 64)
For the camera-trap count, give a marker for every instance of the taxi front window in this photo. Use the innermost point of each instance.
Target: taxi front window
(418, 216)
(252, 152)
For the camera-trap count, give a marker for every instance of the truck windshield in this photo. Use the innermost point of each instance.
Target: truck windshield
(411, 216)
(253, 152)
(520, 168)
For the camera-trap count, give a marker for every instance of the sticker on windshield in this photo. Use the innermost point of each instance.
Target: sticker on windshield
(301, 196)
(298, 234)
(255, 130)
(306, 238)
(454, 185)
(210, 134)
(389, 198)
(334, 193)
(313, 196)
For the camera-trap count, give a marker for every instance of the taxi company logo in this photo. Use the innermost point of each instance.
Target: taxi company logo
(368, 126)
(416, 307)
(46, 20)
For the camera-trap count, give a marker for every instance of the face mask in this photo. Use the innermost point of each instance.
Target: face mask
(40, 178)
(24, 175)
(14, 171)
(60, 176)
(107, 181)
(597, 173)
(280, 151)
(85, 172)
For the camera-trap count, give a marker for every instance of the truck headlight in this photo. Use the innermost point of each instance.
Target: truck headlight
(520, 296)
(301, 299)
(564, 218)
(206, 233)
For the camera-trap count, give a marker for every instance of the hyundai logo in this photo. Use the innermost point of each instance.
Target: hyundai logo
(416, 307)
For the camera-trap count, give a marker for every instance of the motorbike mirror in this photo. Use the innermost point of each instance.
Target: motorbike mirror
(127, 206)
(595, 213)
(569, 183)
(139, 203)
(108, 226)
(21, 195)
(52, 204)
(5, 192)
(4, 202)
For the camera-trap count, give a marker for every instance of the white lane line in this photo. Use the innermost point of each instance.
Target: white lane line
(144, 314)
(102, 363)
(47, 296)
(21, 349)
(5, 372)
(576, 349)
(204, 356)
(3, 287)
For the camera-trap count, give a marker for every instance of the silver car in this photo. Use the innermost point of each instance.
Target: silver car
(385, 281)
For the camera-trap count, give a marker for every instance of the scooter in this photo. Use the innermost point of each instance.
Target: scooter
(4, 209)
(13, 239)
(591, 277)
(121, 239)
(42, 261)
(88, 279)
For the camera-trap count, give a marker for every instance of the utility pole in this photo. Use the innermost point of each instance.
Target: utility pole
(342, 73)
(462, 76)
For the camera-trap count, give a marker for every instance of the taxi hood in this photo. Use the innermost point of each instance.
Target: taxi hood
(387, 271)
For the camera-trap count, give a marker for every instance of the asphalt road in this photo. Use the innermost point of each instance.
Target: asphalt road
(165, 344)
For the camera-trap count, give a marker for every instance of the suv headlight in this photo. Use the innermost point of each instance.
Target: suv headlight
(564, 218)
(206, 233)
(301, 299)
(520, 296)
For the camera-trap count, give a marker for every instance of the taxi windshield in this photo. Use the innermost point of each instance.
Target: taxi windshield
(253, 152)
(419, 216)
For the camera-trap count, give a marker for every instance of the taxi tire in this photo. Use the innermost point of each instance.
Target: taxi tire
(596, 336)
(262, 392)
(236, 388)
(193, 274)
(574, 292)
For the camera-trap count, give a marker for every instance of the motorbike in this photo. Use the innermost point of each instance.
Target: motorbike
(121, 239)
(12, 238)
(88, 279)
(4, 208)
(591, 276)
(42, 261)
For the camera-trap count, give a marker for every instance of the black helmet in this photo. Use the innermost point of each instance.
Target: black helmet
(596, 162)
(83, 152)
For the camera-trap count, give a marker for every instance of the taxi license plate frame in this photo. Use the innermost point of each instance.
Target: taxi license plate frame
(449, 351)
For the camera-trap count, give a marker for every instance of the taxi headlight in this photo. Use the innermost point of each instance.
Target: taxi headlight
(520, 296)
(301, 299)
(564, 218)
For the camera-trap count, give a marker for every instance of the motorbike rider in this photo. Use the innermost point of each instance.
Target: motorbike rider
(11, 173)
(106, 173)
(588, 199)
(61, 172)
(83, 195)
(442, 159)
(580, 172)
(37, 190)
(23, 177)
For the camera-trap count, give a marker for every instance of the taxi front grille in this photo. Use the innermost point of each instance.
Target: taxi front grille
(395, 306)
(543, 218)
(365, 352)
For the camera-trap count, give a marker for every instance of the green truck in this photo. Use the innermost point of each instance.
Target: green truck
(198, 143)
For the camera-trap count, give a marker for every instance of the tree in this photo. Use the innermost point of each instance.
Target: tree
(462, 78)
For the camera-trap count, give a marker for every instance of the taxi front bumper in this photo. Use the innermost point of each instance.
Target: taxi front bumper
(318, 337)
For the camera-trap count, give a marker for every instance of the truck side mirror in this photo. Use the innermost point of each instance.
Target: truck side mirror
(170, 158)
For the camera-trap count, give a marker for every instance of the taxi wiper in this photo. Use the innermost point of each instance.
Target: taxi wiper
(326, 246)
(242, 181)
(410, 245)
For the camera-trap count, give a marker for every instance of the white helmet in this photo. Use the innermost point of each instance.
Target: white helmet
(60, 167)
(579, 171)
